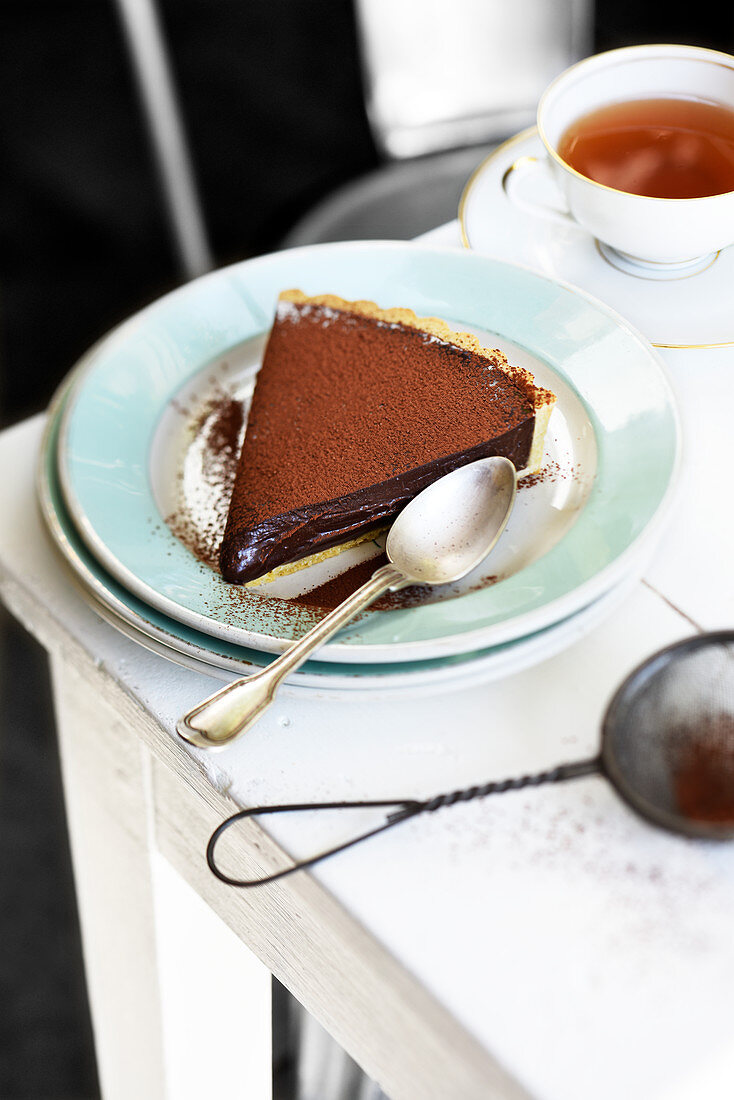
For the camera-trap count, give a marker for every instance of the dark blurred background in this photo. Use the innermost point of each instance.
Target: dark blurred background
(273, 102)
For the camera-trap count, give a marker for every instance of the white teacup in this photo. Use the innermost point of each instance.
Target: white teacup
(641, 230)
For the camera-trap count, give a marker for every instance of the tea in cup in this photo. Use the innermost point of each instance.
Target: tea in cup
(640, 142)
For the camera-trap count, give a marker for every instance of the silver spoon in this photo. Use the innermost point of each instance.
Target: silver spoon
(439, 537)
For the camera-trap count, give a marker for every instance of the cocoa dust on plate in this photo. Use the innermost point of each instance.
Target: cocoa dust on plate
(218, 430)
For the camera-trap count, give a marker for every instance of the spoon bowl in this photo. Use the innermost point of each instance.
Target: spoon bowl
(439, 537)
(450, 527)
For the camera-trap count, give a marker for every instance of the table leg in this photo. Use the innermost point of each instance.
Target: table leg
(216, 999)
(180, 1007)
(105, 776)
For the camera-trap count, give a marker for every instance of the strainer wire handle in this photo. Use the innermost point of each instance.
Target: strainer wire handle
(405, 808)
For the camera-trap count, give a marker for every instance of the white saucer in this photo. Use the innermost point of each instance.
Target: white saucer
(691, 310)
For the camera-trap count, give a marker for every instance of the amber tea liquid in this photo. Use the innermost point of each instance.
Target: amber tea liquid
(664, 148)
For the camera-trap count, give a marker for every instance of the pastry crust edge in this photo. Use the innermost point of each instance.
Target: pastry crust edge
(434, 326)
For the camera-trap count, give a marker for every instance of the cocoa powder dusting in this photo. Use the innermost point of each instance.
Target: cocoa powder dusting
(348, 420)
(552, 471)
(364, 423)
(218, 429)
(224, 433)
(704, 775)
(330, 594)
(199, 523)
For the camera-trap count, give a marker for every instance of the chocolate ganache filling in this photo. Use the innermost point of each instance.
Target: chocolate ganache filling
(352, 416)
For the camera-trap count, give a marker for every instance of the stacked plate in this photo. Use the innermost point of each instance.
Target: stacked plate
(133, 488)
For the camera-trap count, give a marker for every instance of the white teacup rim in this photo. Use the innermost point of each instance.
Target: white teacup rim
(704, 52)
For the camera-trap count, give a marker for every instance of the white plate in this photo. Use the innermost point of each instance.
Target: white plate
(688, 310)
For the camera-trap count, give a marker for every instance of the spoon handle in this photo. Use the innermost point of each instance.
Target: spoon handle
(235, 708)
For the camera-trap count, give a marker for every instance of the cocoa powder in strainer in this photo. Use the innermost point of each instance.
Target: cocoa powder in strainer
(704, 775)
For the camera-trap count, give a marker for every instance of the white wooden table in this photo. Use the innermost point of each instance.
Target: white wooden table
(545, 943)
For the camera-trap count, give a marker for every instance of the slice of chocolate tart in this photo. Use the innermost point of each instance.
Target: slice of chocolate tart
(355, 410)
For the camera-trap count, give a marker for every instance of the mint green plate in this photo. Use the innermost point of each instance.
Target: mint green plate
(612, 454)
(201, 652)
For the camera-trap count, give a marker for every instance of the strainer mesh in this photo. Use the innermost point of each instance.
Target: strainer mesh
(668, 739)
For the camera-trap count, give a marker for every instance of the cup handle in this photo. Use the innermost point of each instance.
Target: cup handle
(535, 165)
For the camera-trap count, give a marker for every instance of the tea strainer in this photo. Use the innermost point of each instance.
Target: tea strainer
(667, 748)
